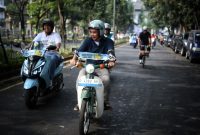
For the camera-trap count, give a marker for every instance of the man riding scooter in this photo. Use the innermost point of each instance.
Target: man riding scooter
(52, 41)
(97, 43)
(42, 68)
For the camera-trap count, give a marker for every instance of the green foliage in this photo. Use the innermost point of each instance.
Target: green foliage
(174, 13)
(15, 60)
(76, 12)
(121, 41)
(66, 52)
(38, 10)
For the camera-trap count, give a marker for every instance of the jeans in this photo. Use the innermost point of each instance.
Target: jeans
(53, 60)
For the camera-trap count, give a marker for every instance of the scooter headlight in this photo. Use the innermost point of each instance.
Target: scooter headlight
(38, 70)
(89, 68)
(35, 72)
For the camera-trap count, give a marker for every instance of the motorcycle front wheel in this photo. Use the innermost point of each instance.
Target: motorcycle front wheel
(31, 98)
(84, 121)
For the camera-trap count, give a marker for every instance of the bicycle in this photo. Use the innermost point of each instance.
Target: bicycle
(144, 54)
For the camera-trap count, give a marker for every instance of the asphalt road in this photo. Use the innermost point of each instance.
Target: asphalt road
(160, 99)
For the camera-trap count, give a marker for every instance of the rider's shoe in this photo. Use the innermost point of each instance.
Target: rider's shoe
(76, 108)
(107, 106)
(140, 61)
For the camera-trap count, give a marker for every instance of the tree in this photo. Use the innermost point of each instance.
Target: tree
(175, 13)
(20, 6)
(4, 51)
(37, 10)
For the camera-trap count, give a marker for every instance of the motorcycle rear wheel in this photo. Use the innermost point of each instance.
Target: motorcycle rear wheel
(84, 122)
(31, 98)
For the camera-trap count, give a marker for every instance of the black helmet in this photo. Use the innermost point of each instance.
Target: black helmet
(48, 22)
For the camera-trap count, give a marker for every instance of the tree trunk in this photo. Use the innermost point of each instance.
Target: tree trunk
(62, 23)
(22, 27)
(4, 51)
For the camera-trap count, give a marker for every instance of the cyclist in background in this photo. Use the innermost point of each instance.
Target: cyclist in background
(144, 41)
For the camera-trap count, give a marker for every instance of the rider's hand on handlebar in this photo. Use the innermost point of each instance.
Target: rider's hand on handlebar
(111, 64)
(73, 62)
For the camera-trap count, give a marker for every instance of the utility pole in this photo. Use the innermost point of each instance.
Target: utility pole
(114, 14)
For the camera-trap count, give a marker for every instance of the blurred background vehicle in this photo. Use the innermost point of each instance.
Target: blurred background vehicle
(185, 40)
(178, 43)
(193, 46)
(168, 40)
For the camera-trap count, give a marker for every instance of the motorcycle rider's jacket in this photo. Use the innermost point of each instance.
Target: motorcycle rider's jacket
(111, 36)
(103, 46)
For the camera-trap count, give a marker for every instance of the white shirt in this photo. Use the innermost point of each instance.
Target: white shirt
(47, 40)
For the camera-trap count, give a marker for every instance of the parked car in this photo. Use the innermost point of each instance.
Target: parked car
(168, 40)
(177, 43)
(193, 46)
(185, 40)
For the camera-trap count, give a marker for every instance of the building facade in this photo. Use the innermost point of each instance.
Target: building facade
(2, 12)
(139, 9)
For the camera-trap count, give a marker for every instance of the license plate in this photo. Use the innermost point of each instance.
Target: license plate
(93, 56)
(89, 83)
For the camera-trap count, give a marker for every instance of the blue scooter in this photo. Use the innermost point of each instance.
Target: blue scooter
(35, 74)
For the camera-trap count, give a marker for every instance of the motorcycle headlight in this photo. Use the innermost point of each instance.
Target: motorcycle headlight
(35, 72)
(38, 70)
(89, 68)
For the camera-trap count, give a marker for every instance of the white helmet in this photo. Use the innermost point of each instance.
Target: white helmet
(107, 26)
(144, 27)
(97, 24)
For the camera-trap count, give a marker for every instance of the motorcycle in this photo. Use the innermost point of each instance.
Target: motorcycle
(35, 75)
(133, 42)
(90, 90)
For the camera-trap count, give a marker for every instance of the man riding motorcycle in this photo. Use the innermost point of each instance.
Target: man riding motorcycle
(52, 41)
(97, 43)
(107, 31)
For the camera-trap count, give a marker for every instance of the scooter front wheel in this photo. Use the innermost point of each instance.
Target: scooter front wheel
(31, 98)
(84, 121)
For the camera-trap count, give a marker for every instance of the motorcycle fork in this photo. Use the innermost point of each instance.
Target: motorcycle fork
(89, 93)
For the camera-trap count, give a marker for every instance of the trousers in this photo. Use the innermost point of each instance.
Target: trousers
(53, 60)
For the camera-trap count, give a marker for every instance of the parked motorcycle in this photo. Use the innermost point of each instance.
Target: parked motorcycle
(90, 90)
(35, 74)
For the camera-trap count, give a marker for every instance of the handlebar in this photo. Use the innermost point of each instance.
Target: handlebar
(101, 66)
